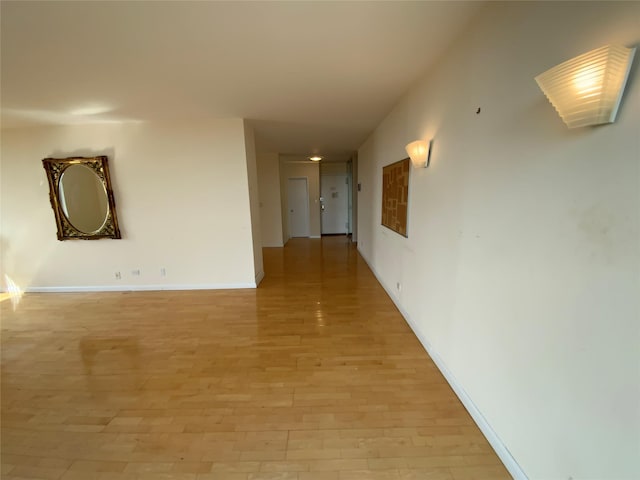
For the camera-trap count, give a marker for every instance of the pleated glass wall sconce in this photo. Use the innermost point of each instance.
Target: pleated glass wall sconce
(587, 89)
(420, 153)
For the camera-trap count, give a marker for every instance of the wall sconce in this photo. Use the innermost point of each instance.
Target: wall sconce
(420, 153)
(587, 89)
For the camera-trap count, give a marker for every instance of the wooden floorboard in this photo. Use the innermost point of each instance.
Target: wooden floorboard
(313, 376)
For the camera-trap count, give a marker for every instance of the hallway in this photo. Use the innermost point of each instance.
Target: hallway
(312, 376)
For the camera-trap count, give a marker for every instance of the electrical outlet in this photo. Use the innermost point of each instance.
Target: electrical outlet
(118, 275)
(135, 273)
(163, 272)
(398, 286)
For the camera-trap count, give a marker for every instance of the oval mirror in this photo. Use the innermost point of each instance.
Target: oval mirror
(83, 198)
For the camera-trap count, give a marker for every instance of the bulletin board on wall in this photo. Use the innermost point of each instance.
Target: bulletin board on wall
(395, 196)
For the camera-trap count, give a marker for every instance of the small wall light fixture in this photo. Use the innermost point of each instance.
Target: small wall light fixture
(420, 153)
(587, 89)
(315, 158)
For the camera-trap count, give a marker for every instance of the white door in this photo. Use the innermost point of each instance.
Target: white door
(298, 199)
(335, 204)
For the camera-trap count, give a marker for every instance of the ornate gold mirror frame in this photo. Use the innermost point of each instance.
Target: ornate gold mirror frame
(82, 198)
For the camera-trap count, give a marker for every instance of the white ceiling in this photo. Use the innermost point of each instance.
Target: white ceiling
(311, 76)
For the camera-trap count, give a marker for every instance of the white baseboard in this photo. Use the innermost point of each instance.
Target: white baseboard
(315, 236)
(259, 277)
(500, 448)
(141, 288)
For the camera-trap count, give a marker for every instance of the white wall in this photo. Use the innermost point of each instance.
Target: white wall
(254, 200)
(311, 171)
(333, 168)
(182, 201)
(521, 273)
(270, 205)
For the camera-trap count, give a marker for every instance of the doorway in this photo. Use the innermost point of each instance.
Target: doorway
(334, 196)
(298, 203)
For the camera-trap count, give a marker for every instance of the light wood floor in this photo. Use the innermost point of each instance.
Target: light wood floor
(313, 376)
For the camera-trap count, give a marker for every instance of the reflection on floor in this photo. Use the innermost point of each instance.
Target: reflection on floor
(314, 375)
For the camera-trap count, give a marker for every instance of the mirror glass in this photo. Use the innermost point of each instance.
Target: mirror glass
(83, 198)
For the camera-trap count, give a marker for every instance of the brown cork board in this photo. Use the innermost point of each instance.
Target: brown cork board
(395, 196)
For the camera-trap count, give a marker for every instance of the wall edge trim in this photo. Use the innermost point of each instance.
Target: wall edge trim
(140, 288)
(492, 437)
